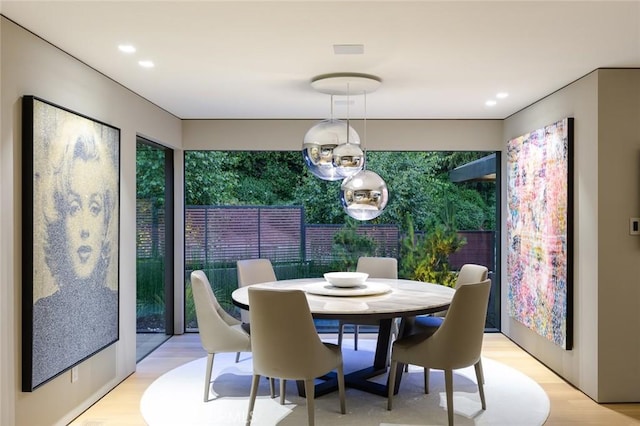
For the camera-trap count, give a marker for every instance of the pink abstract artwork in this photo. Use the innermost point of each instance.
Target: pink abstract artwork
(539, 233)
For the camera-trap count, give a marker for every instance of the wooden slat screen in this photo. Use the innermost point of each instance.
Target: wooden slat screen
(480, 249)
(150, 226)
(226, 234)
(319, 240)
(221, 234)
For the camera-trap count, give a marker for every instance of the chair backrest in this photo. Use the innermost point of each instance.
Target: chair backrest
(284, 339)
(254, 271)
(459, 338)
(214, 323)
(471, 273)
(378, 267)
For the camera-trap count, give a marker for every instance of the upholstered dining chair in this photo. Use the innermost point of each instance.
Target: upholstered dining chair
(469, 273)
(457, 343)
(287, 346)
(219, 331)
(376, 267)
(253, 271)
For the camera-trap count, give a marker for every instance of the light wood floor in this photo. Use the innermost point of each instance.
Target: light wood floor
(569, 406)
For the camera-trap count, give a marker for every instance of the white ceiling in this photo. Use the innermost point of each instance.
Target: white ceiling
(242, 59)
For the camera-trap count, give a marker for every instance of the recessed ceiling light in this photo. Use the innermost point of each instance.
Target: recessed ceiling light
(490, 102)
(126, 48)
(502, 95)
(146, 64)
(348, 49)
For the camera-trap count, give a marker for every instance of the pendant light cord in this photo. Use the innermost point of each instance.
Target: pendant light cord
(364, 139)
(331, 107)
(348, 126)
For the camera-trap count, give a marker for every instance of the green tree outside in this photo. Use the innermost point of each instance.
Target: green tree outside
(422, 199)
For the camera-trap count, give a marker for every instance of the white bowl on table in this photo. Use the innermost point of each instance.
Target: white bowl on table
(346, 279)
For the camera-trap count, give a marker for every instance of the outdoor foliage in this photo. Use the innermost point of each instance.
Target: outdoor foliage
(418, 184)
(150, 294)
(348, 246)
(150, 185)
(150, 174)
(320, 199)
(422, 199)
(210, 178)
(433, 264)
(425, 257)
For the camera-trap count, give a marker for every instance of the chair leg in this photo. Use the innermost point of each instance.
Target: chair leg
(272, 387)
(237, 357)
(394, 336)
(283, 390)
(207, 376)
(341, 392)
(309, 391)
(391, 384)
(252, 397)
(356, 330)
(426, 379)
(481, 371)
(340, 333)
(448, 384)
(480, 379)
(395, 329)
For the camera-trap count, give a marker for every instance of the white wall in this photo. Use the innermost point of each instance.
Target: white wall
(382, 135)
(618, 288)
(604, 361)
(31, 66)
(6, 353)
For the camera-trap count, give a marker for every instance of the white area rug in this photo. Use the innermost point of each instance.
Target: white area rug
(176, 398)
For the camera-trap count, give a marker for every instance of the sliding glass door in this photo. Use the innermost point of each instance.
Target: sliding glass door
(154, 245)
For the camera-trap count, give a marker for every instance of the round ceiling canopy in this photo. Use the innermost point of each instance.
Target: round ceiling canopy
(346, 83)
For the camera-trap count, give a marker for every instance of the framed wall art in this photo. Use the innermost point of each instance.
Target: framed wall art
(70, 258)
(540, 231)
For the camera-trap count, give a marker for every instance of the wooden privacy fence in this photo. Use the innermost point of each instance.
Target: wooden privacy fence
(480, 249)
(226, 234)
(223, 234)
(215, 235)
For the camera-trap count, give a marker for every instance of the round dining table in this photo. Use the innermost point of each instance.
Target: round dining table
(378, 299)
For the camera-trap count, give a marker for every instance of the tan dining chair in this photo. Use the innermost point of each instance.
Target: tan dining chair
(457, 343)
(469, 273)
(287, 346)
(219, 332)
(253, 271)
(376, 267)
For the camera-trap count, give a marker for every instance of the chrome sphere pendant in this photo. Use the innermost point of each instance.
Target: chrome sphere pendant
(348, 159)
(364, 195)
(319, 144)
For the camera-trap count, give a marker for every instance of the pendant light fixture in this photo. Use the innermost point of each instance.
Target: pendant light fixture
(348, 158)
(323, 139)
(319, 143)
(364, 195)
(329, 156)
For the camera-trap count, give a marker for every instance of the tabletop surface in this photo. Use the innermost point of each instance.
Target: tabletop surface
(405, 298)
